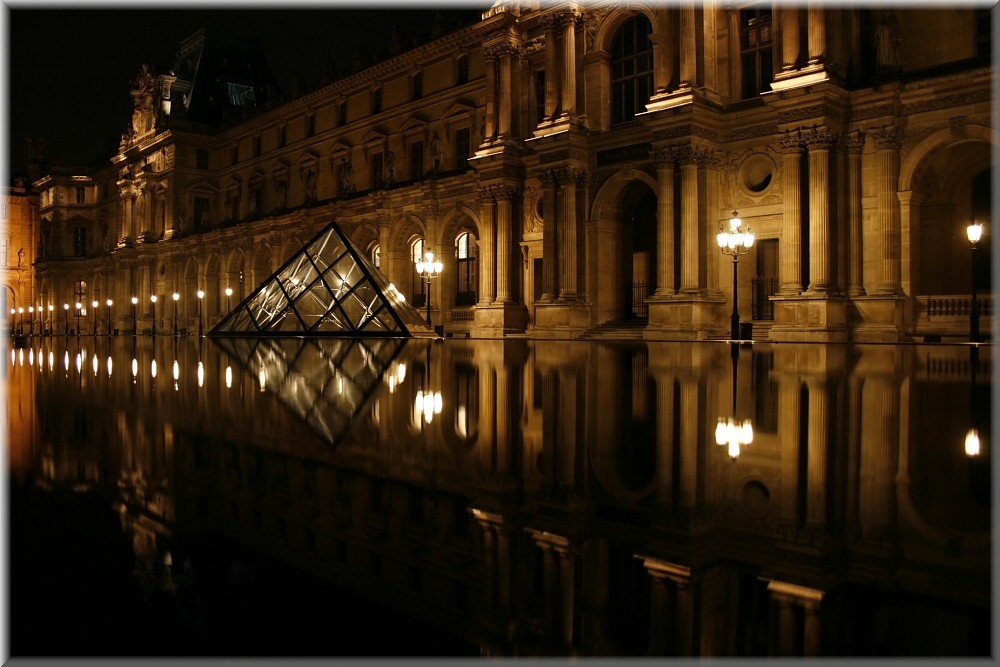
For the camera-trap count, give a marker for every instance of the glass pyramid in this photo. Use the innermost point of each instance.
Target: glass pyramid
(326, 382)
(328, 288)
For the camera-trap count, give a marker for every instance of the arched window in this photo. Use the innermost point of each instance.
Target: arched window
(631, 69)
(375, 255)
(416, 255)
(465, 269)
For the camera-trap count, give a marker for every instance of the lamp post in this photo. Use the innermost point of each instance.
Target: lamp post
(176, 296)
(429, 268)
(79, 310)
(229, 293)
(153, 301)
(66, 320)
(51, 323)
(974, 232)
(135, 322)
(109, 303)
(94, 315)
(31, 320)
(20, 320)
(201, 295)
(735, 242)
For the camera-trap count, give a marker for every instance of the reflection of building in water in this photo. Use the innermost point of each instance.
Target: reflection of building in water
(569, 499)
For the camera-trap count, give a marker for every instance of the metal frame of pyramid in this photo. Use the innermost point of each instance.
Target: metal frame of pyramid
(327, 288)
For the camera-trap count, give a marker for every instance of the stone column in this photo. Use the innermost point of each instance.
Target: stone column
(487, 254)
(506, 94)
(490, 67)
(504, 227)
(817, 33)
(568, 243)
(551, 67)
(818, 437)
(789, 22)
(854, 143)
(665, 223)
(887, 175)
(818, 143)
(689, 220)
(788, 596)
(569, 64)
(689, 47)
(662, 64)
(790, 269)
(550, 255)
(909, 224)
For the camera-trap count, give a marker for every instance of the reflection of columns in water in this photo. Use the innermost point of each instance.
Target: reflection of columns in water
(567, 421)
(664, 438)
(789, 414)
(690, 409)
(818, 441)
(487, 418)
(558, 568)
(879, 446)
(504, 400)
(788, 596)
(671, 608)
(498, 583)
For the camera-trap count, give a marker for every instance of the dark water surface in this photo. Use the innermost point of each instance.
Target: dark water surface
(246, 497)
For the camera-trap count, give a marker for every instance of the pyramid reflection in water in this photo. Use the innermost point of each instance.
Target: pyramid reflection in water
(326, 382)
(328, 288)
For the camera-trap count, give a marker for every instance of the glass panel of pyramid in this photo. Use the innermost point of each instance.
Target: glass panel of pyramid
(327, 288)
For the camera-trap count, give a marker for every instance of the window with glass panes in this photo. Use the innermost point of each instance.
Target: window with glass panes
(377, 170)
(465, 269)
(81, 195)
(79, 241)
(418, 86)
(539, 96)
(631, 69)
(80, 295)
(463, 147)
(417, 255)
(376, 256)
(756, 60)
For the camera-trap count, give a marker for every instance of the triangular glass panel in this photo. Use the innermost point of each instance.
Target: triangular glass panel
(328, 288)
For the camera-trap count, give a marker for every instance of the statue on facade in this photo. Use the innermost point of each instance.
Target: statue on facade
(390, 167)
(143, 96)
(436, 153)
(309, 177)
(887, 41)
(281, 192)
(346, 173)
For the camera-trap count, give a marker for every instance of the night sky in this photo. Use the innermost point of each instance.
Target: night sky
(70, 70)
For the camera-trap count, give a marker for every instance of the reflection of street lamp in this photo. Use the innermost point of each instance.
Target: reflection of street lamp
(153, 300)
(428, 268)
(735, 242)
(730, 431)
(94, 316)
(135, 322)
(972, 445)
(229, 293)
(109, 303)
(176, 297)
(974, 232)
(201, 295)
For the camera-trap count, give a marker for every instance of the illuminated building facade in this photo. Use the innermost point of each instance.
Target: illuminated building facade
(571, 166)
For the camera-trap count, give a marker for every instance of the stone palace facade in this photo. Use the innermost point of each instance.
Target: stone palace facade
(570, 165)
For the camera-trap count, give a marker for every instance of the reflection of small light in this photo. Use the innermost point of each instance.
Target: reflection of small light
(152, 368)
(177, 370)
(79, 362)
(66, 360)
(95, 363)
(201, 374)
(109, 365)
(972, 442)
(262, 379)
(735, 434)
(135, 368)
(52, 360)
(20, 357)
(229, 377)
(13, 357)
(31, 357)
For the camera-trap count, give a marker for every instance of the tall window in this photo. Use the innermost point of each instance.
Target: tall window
(463, 147)
(81, 194)
(539, 96)
(377, 101)
(417, 255)
(80, 294)
(418, 86)
(375, 255)
(201, 159)
(631, 69)
(236, 154)
(310, 125)
(282, 135)
(256, 146)
(756, 49)
(417, 160)
(79, 241)
(4, 255)
(342, 114)
(462, 75)
(465, 269)
(377, 179)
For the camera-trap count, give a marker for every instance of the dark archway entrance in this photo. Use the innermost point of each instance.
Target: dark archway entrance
(638, 247)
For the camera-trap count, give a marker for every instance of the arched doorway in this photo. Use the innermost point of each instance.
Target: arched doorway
(639, 256)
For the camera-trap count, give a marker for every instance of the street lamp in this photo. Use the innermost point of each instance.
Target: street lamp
(729, 431)
(135, 322)
(79, 310)
(429, 268)
(51, 323)
(201, 295)
(109, 303)
(31, 320)
(153, 300)
(176, 297)
(229, 293)
(20, 320)
(974, 232)
(66, 312)
(94, 315)
(735, 242)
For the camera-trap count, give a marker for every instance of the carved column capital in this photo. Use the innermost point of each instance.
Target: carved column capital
(854, 142)
(887, 137)
(818, 138)
(790, 141)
